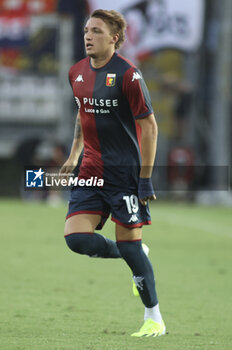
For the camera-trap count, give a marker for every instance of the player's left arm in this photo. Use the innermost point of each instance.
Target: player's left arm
(149, 134)
(137, 94)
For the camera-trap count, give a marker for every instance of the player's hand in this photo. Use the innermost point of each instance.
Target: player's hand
(145, 190)
(67, 168)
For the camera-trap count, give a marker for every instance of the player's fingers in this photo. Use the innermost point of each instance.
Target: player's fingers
(62, 170)
(63, 174)
(143, 201)
(153, 197)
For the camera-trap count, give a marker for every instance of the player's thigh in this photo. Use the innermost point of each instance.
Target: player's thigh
(87, 211)
(81, 223)
(128, 234)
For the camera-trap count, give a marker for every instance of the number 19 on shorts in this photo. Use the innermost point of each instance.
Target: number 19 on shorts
(132, 203)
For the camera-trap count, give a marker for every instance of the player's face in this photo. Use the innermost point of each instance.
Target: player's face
(98, 40)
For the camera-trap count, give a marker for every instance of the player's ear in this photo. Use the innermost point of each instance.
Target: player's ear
(115, 38)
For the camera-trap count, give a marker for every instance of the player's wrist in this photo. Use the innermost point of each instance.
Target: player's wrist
(146, 171)
(145, 187)
(73, 158)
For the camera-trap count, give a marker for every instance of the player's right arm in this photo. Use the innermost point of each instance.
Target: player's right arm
(77, 146)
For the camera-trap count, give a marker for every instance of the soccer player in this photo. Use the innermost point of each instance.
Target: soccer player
(117, 127)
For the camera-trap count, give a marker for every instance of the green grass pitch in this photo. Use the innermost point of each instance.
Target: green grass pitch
(53, 299)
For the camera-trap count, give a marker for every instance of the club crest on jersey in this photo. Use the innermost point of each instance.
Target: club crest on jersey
(110, 79)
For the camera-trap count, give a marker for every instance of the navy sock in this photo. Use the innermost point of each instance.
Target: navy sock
(132, 252)
(93, 245)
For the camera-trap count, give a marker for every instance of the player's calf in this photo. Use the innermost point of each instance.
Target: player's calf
(133, 253)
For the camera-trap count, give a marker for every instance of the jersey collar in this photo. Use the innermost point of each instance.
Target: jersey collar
(105, 66)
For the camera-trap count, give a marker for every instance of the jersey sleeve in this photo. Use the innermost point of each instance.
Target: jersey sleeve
(70, 76)
(136, 93)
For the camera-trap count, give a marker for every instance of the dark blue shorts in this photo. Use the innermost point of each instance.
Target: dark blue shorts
(125, 208)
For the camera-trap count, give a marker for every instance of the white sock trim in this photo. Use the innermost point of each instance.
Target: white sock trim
(153, 313)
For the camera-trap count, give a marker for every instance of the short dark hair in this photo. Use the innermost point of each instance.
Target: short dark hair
(115, 21)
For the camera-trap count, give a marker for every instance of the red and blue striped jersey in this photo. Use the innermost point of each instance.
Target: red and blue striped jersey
(110, 99)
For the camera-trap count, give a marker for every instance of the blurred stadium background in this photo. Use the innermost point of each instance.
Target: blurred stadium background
(184, 50)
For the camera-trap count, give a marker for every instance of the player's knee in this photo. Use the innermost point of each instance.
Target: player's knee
(79, 243)
(129, 249)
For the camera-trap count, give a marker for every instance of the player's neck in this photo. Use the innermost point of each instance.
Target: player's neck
(101, 61)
